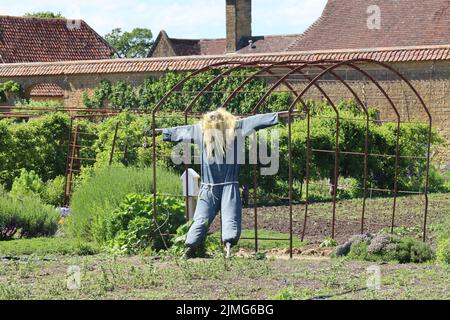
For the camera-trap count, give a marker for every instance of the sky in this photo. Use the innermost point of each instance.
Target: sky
(180, 18)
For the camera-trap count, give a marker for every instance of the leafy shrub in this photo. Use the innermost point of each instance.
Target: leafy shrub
(358, 251)
(8, 89)
(212, 244)
(37, 145)
(28, 183)
(328, 243)
(382, 138)
(54, 191)
(27, 217)
(135, 227)
(98, 195)
(122, 95)
(410, 250)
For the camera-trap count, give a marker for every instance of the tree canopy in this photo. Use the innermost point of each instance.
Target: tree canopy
(44, 14)
(133, 44)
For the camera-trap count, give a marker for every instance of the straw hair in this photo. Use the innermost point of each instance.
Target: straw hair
(218, 132)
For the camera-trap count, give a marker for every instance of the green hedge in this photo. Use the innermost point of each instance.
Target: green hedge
(39, 145)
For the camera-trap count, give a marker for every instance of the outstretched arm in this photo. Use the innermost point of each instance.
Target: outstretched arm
(258, 122)
(178, 134)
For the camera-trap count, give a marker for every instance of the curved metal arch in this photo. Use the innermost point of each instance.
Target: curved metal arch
(209, 85)
(314, 82)
(283, 80)
(298, 98)
(298, 70)
(430, 132)
(349, 64)
(229, 71)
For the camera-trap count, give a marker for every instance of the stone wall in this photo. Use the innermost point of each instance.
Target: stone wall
(432, 81)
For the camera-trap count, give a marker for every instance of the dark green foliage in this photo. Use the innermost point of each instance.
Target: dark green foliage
(135, 227)
(410, 250)
(39, 145)
(133, 44)
(122, 95)
(8, 89)
(382, 140)
(44, 14)
(99, 96)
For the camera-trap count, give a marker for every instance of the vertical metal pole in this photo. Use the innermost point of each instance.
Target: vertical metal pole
(427, 181)
(69, 140)
(308, 169)
(397, 160)
(113, 147)
(186, 167)
(69, 187)
(366, 173)
(336, 177)
(291, 235)
(255, 206)
(154, 164)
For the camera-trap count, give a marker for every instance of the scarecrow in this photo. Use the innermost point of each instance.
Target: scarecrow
(220, 136)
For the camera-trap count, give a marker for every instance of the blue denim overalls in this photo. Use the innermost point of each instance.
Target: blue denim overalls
(220, 181)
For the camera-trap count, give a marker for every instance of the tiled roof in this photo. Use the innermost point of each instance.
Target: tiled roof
(344, 25)
(24, 39)
(46, 90)
(205, 47)
(405, 54)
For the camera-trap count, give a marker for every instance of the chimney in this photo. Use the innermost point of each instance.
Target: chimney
(239, 22)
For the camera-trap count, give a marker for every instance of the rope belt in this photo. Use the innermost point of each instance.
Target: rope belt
(219, 184)
(210, 187)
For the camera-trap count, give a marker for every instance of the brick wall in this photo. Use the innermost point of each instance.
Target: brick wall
(239, 22)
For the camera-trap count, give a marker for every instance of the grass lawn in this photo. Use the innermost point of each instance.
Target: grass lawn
(40, 247)
(24, 276)
(106, 277)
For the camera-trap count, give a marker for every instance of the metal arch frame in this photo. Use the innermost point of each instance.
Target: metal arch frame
(298, 98)
(237, 65)
(228, 101)
(293, 71)
(350, 63)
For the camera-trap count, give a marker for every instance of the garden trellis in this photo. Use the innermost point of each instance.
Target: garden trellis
(310, 74)
(303, 81)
